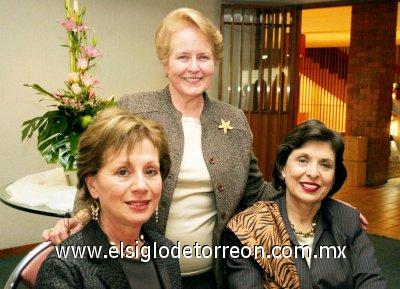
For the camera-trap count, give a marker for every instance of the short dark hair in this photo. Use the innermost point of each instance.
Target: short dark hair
(310, 130)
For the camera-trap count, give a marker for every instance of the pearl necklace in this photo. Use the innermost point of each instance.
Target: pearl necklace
(309, 233)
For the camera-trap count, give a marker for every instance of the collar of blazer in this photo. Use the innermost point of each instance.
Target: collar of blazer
(213, 111)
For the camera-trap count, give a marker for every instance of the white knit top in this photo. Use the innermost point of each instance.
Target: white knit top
(193, 209)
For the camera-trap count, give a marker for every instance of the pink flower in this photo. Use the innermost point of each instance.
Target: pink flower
(88, 80)
(91, 94)
(68, 24)
(57, 96)
(91, 51)
(82, 63)
(76, 89)
(82, 27)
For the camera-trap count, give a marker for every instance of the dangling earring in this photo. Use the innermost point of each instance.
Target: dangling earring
(157, 214)
(95, 210)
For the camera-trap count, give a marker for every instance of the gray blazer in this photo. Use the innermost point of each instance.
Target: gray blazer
(337, 225)
(235, 176)
(98, 272)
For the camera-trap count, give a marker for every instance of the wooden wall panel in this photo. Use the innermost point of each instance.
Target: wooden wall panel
(259, 72)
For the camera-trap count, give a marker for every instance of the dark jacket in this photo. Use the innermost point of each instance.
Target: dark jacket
(99, 272)
(338, 225)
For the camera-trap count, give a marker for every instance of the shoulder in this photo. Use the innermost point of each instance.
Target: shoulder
(90, 235)
(223, 108)
(61, 270)
(259, 214)
(345, 218)
(219, 110)
(141, 101)
(61, 250)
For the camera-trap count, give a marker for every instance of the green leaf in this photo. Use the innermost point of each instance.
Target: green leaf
(60, 125)
(45, 145)
(28, 127)
(46, 130)
(74, 141)
(39, 89)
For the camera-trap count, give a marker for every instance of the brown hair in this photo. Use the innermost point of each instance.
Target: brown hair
(114, 129)
(181, 18)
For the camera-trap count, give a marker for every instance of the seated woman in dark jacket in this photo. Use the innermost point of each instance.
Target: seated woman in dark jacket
(122, 160)
(309, 169)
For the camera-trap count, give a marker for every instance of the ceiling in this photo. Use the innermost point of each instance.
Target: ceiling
(327, 27)
(303, 2)
(324, 27)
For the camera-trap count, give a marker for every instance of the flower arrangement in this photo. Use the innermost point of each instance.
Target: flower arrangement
(59, 130)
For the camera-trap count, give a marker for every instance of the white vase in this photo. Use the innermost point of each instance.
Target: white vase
(71, 177)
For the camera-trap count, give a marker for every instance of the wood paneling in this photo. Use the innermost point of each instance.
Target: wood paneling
(259, 72)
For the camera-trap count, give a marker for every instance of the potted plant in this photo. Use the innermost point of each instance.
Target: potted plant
(76, 104)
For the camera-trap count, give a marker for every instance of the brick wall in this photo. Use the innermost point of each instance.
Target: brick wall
(370, 78)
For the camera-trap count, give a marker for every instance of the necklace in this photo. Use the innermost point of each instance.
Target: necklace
(309, 233)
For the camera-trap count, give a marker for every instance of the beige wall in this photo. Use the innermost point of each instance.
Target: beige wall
(30, 52)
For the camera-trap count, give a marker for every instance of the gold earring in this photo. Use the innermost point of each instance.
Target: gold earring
(95, 210)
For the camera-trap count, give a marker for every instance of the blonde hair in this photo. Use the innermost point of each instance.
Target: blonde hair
(114, 129)
(181, 18)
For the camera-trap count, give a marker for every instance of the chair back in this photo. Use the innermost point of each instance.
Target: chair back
(28, 268)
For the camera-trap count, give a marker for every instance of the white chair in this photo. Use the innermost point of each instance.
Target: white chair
(28, 267)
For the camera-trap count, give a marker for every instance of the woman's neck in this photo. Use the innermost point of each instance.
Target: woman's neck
(188, 106)
(301, 215)
(117, 232)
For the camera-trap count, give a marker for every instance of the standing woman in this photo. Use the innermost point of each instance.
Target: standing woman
(214, 172)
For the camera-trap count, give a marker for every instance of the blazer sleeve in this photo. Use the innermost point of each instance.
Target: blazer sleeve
(241, 273)
(366, 272)
(55, 273)
(256, 188)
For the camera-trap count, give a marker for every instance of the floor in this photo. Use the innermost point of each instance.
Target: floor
(380, 205)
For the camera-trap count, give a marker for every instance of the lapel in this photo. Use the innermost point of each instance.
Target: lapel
(161, 109)
(262, 225)
(227, 151)
(109, 271)
(282, 208)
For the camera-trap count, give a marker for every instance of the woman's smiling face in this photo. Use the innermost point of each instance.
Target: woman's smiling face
(190, 65)
(309, 172)
(128, 185)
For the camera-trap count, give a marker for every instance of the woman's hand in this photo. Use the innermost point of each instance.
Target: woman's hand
(364, 222)
(62, 230)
